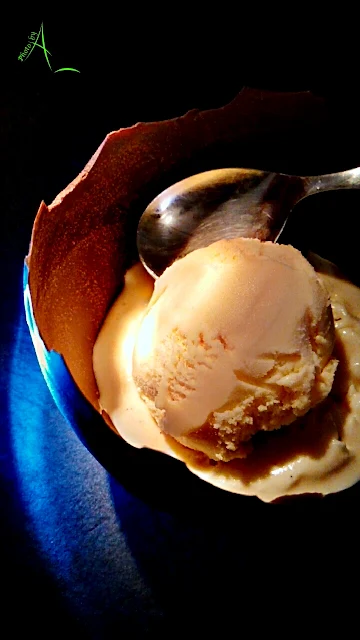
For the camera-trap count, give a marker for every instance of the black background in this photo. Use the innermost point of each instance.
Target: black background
(285, 571)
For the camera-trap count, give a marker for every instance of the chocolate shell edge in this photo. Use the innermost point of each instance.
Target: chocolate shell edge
(83, 242)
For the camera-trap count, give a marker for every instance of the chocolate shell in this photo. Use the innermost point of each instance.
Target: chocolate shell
(83, 242)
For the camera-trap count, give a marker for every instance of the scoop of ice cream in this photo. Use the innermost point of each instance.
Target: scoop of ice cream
(237, 339)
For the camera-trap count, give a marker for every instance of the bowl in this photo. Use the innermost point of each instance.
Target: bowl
(83, 243)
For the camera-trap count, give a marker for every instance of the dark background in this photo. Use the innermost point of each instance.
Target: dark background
(80, 551)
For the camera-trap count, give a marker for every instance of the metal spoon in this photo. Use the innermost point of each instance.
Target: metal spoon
(225, 203)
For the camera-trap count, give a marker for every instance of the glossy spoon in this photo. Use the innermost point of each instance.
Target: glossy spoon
(225, 203)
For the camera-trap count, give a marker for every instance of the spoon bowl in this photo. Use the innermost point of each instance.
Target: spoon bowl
(225, 203)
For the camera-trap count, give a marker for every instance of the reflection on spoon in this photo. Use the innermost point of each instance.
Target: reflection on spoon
(225, 203)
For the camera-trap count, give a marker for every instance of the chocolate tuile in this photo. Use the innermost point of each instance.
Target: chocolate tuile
(83, 242)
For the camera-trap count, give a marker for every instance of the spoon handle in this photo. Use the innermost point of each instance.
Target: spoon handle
(349, 179)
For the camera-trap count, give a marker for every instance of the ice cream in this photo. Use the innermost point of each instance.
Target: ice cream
(319, 453)
(237, 339)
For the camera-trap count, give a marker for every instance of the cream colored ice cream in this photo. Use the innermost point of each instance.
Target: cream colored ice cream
(318, 453)
(237, 339)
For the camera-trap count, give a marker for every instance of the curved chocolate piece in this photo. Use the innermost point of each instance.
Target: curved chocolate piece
(83, 242)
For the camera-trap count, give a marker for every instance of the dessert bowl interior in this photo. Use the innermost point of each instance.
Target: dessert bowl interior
(85, 240)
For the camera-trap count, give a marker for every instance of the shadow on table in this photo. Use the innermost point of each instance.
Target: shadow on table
(215, 560)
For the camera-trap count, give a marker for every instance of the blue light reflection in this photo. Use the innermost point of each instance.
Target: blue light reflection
(65, 494)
